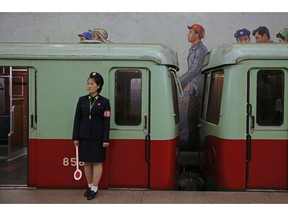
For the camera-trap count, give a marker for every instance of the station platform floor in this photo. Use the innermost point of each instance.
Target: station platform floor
(128, 196)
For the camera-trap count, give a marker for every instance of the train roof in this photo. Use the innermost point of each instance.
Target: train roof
(234, 53)
(153, 52)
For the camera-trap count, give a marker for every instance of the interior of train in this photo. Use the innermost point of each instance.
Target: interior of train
(13, 126)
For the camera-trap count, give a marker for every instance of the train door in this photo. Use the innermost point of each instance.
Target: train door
(267, 130)
(130, 141)
(13, 123)
(32, 142)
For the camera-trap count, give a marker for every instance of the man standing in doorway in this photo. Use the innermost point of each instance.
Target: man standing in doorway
(194, 78)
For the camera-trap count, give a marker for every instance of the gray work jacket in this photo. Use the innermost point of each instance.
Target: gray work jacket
(193, 76)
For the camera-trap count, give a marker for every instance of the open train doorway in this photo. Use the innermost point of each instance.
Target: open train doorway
(13, 125)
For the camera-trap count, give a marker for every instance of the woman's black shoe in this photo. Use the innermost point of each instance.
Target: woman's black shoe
(87, 192)
(91, 195)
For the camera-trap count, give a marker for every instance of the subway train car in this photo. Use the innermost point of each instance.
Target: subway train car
(40, 87)
(244, 124)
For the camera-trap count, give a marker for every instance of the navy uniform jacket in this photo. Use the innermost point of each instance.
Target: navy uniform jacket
(98, 126)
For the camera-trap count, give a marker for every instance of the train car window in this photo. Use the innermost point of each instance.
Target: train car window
(212, 96)
(2, 95)
(128, 93)
(270, 97)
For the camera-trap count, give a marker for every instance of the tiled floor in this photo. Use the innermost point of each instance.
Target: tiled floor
(113, 196)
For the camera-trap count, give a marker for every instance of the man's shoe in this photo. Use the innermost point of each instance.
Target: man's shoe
(87, 192)
(91, 195)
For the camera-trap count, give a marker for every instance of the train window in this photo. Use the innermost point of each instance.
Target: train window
(128, 93)
(212, 96)
(270, 97)
(2, 95)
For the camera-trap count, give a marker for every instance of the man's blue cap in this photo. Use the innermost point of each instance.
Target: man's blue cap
(242, 33)
(87, 35)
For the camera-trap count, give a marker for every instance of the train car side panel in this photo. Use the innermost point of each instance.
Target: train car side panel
(163, 163)
(224, 160)
(269, 167)
(56, 168)
(32, 163)
(128, 165)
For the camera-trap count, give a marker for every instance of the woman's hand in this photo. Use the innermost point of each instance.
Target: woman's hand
(105, 144)
(76, 143)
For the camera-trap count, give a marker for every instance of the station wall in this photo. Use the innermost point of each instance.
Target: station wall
(168, 28)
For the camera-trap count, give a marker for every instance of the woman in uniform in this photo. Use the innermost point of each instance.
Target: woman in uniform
(91, 132)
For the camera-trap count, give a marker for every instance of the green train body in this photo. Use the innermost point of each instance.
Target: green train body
(139, 81)
(243, 138)
(244, 125)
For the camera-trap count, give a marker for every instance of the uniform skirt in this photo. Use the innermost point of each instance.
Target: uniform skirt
(91, 151)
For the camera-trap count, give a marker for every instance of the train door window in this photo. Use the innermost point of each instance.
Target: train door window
(128, 97)
(270, 97)
(212, 96)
